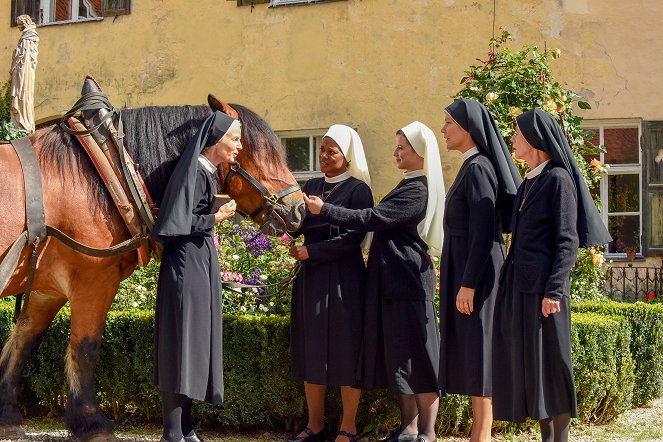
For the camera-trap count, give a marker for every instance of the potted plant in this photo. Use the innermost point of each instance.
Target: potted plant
(630, 252)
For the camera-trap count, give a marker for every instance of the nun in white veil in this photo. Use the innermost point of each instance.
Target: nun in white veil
(328, 293)
(401, 337)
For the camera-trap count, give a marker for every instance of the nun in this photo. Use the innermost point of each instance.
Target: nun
(401, 341)
(188, 352)
(478, 204)
(553, 214)
(328, 292)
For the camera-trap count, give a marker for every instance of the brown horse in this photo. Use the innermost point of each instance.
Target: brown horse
(77, 203)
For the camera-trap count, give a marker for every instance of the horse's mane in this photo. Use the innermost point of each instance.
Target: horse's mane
(155, 138)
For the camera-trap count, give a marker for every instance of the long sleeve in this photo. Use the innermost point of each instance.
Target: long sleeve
(565, 209)
(403, 205)
(338, 246)
(201, 223)
(481, 191)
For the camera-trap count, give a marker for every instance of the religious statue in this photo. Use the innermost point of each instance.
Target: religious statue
(22, 72)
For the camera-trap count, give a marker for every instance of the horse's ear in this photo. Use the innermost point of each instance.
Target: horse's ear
(219, 105)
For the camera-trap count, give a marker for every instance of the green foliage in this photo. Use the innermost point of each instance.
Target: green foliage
(646, 343)
(7, 129)
(510, 82)
(259, 392)
(601, 350)
(589, 275)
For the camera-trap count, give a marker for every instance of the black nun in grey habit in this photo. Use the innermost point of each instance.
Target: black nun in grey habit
(553, 215)
(188, 330)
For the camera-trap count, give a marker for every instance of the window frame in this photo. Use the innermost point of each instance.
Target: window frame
(45, 7)
(311, 134)
(619, 169)
(281, 3)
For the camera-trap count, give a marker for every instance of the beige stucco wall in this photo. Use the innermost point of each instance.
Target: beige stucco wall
(373, 64)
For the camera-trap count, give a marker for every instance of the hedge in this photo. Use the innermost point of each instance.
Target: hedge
(259, 392)
(646, 343)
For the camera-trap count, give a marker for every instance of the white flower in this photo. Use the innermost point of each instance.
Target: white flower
(492, 96)
(271, 303)
(242, 308)
(235, 257)
(140, 288)
(263, 308)
(263, 277)
(134, 304)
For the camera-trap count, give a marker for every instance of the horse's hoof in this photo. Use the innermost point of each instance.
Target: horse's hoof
(11, 432)
(101, 437)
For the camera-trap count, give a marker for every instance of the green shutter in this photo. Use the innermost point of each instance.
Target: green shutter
(251, 2)
(652, 187)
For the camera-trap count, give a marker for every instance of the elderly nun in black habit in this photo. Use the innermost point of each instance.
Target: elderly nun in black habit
(478, 202)
(188, 354)
(401, 337)
(553, 214)
(327, 296)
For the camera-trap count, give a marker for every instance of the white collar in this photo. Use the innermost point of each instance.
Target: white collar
(471, 151)
(536, 171)
(207, 164)
(338, 178)
(413, 174)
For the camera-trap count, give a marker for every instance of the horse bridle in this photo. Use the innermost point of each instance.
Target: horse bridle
(271, 200)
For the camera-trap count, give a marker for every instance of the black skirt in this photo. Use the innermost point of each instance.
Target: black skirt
(532, 367)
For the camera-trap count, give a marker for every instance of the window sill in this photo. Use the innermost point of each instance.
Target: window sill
(623, 259)
(70, 22)
(273, 4)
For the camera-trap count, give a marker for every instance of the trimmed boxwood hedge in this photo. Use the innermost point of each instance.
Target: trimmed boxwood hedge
(259, 392)
(646, 342)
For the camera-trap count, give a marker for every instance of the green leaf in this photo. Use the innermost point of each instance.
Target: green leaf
(584, 105)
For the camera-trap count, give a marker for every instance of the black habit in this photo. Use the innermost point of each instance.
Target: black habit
(188, 322)
(532, 367)
(328, 293)
(473, 254)
(400, 333)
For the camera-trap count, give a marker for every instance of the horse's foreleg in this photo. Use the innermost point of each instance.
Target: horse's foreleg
(24, 340)
(83, 417)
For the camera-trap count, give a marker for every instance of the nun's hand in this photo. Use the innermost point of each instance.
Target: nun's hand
(225, 212)
(300, 253)
(313, 203)
(465, 300)
(549, 306)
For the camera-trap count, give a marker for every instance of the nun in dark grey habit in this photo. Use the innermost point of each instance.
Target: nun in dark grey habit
(478, 202)
(188, 349)
(553, 214)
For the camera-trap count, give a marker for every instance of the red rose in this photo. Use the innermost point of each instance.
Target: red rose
(651, 295)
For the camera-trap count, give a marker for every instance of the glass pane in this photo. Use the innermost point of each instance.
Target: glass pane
(89, 8)
(592, 143)
(318, 142)
(61, 10)
(621, 146)
(623, 193)
(625, 232)
(297, 151)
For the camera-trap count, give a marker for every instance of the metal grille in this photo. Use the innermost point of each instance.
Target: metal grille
(631, 284)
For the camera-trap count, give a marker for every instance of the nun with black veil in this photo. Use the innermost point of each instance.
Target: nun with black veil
(553, 215)
(328, 292)
(400, 334)
(188, 337)
(478, 205)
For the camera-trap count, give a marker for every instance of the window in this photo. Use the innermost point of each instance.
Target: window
(620, 189)
(45, 12)
(302, 148)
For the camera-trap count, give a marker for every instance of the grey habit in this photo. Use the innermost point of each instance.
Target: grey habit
(473, 251)
(188, 329)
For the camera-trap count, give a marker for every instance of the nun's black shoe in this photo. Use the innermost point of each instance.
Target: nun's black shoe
(193, 438)
(320, 436)
(351, 437)
(163, 439)
(423, 439)
(398, 436)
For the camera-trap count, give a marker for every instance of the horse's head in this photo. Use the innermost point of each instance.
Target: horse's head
(260, 181)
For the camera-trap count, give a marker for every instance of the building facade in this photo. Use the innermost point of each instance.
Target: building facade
(375, 65)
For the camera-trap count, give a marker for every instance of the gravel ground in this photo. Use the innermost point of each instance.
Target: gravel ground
(638, 425)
